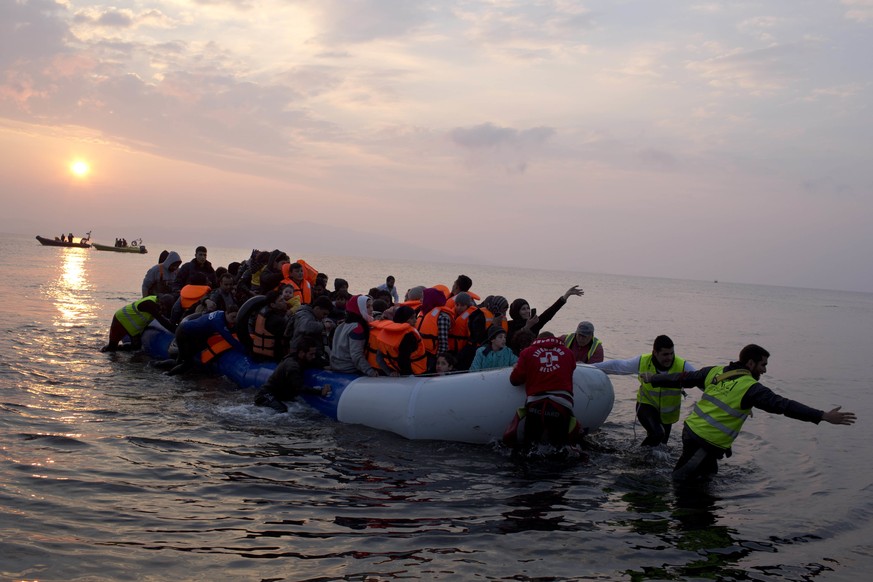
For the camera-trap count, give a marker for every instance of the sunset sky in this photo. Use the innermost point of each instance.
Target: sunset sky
(711, 140)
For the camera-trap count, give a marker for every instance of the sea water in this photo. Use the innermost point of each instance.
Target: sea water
(110, 470)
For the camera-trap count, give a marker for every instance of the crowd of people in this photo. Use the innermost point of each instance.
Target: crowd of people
(283, 311)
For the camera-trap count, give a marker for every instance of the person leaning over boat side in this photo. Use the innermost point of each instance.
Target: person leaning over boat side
(546, 369)
(132, 319)
(350, 339)
(287, 380)
(729, 394)
(198, 264)
(160, 278)
(658, 409)
(434, 324)
(520, 312)
(468, 330)
(193, 334)
(494, 354)
(586, 348)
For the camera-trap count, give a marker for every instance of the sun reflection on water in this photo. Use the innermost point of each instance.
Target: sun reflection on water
(71, 291)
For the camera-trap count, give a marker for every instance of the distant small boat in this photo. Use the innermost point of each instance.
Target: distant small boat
(134, 247)
(56, 242)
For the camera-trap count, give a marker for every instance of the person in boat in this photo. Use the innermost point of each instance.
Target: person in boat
(461, 284)
(272, 276)
(523, 317)
(310, 321)
(545, 368)
(63, 237)
(161, 278)
(293, 275)
(494, 307)
(348, 350)
(445, 364)
(434, 324)
(729, 395)
(340, 301)
(390, 287)
(268, 336)
(293, 301)
(194, 333)
(494, 354)
(468, 330)
(190, 298)
(132, 319)
(287, 380)
(224, 296)
(379, 307)
(70, 237)
(658, 409)
(340, 286)
(585, 347)
(199, 264)
(399, 349)
(249, 281)
(319, 288)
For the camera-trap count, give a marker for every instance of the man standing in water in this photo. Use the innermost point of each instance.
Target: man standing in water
(729, 394)
(658, 409)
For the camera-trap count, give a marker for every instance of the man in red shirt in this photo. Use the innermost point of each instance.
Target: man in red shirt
(546, 369)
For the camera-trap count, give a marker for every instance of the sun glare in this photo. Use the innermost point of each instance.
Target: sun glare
(80, 168)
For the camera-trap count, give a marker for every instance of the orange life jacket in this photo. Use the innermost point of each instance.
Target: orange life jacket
(429, 329)
(309, 272)
(388, 342)
(459, 336)
(450, 302)
(489, 317)
(372, 344)
(191, 294)
(215, 345)
(263, 342)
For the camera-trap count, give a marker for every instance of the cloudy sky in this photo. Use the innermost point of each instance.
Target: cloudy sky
(713, 140)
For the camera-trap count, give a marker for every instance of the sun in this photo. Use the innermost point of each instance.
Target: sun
(80, 168)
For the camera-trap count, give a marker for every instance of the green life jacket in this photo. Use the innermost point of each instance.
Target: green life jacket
(718, 416)
(668, 401)
(134, 320)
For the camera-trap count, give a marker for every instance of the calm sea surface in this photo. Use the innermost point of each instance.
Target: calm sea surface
(110, 470)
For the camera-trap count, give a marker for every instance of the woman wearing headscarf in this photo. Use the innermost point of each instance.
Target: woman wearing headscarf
(523, 318)
(350, 338)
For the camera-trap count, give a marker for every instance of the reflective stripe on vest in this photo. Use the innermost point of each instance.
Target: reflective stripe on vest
(571, 339)
(718, 416)
(428, 328)
(372, 346)
(134, 320)
(459, 335)
(667, 400)
(489, 317)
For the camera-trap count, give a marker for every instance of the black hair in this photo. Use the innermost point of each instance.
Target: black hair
(200, 249)
(322, 302)
(754, 353)
(662, 342)
(464, 282)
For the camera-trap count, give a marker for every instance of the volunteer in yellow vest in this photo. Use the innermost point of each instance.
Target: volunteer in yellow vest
(657, 409)
(132, 319)
(729, 395)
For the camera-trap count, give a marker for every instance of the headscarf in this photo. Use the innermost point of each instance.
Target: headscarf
(357, 305)
(495, 304)
(515, 308)
(431, 298)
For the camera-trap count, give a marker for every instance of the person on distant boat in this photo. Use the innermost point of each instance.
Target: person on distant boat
(194, 333)
(160, 278)
(434, 324)
(389, 286)
(63, 237)
(494, 354)
(545, 368)
(198, 264)
(287, 380)
(658, 409)
(70, 238)
(729, 395)
(585, 347)
(350, 338)
(131, 320)
(523, 317)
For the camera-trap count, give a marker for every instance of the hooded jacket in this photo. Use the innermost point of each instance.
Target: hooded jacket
(160, 279)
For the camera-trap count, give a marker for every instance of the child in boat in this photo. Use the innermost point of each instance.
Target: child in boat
(445, 364)
(494, 354)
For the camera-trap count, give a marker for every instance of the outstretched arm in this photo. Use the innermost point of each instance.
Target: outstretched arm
(836, 417)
